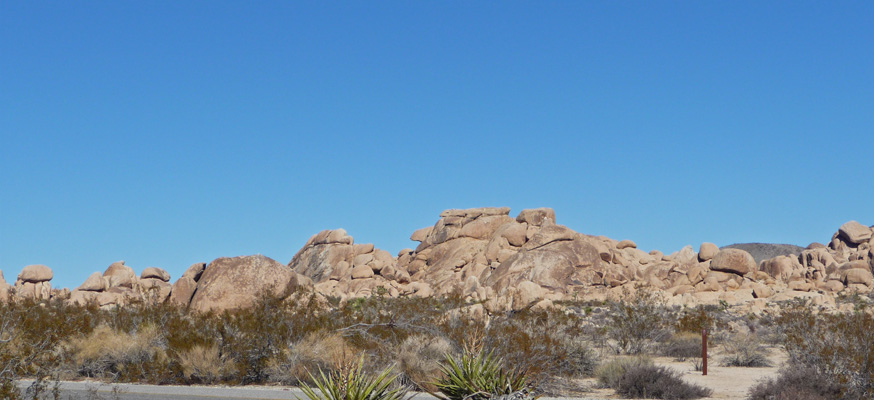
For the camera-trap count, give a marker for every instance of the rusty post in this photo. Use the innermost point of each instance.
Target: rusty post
(704, 351)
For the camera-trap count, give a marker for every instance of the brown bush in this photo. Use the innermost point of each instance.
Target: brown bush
(682, 345)
(318, 351)
(419, 357)
(836, 347)
(656, 382)
(796, 384)
(744, 351)
(205, 364)
(106, 352)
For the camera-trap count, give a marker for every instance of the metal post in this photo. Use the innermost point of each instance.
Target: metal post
(704, 351)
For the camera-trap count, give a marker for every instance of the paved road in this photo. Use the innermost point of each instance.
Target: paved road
(102, 391)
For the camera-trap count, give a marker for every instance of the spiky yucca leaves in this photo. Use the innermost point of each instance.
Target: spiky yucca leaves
(480, 377)
(354, 384)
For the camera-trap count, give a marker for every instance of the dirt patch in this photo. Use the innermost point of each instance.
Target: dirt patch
(727, 383)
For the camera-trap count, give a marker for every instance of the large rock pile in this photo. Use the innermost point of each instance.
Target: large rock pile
(34, 282)
(486, 255)
(119, 285)
(341, 268)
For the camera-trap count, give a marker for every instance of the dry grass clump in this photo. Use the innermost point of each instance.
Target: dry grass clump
(657, 382)
(318, 351)
(419, 357)
(744, 350)
(205, 364)
(682, 345)
(796, 384)
(106, 352)
(638, 378)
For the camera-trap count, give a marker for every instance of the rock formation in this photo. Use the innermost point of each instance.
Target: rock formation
(229, 283)
(504, 263)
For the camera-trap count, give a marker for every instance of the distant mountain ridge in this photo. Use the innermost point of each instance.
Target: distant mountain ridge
(764, 251)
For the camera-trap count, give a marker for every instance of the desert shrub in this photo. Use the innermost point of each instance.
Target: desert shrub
(636, 323)
(544, 344)
(318, 351)
(354, 384)
(30, 331)
(577, 360)
(419, 358)
(611, 372)
(697, 319)
(106, 352)
(253, 336)
(682, 345)
(744, 351)
(796, 384)
(205, 364)
(479, 377)
(836, 347)
(656, 382)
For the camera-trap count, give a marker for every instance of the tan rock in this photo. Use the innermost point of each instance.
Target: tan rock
(858, 264)
(94, 283)
(762, 291)
(735, 261)
(686, 255)
(801, 286)
(340, 271)
(338, 236)
(421, 234)
(362, 248)
(525, 294)
(681, 290)
(626, 244)
(536, 216)
(120, 275)
(707, 251)
(155, 290)
(36, 273)
(4, 288)
(156, 273)
(557, 265)
(549, 234)
(362, 272)
(109, 298)
(232, 283)
(855, 232)
(483, 227)
(857, 276)
(195, 271)
(317, 261)
(383, 256)
(780, 267)
(183, 290)
(362, 260)
(82, 298)
(831, 286)
(696, 274)
(515, 233)
(543, 305)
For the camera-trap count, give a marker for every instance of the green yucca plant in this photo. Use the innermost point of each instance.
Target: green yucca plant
(479, 377)
(354, 385)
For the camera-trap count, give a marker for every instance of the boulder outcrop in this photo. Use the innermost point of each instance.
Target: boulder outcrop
(229, 283)
(504, 263)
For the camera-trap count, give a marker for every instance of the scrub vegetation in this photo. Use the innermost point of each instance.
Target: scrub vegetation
(438, 345)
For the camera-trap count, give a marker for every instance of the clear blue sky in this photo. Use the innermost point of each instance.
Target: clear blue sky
(167, 133)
